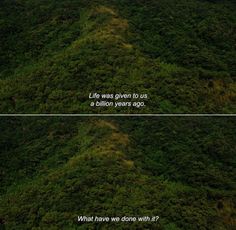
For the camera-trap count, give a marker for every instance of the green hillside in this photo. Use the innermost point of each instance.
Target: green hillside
(180, 169)
(54, 53)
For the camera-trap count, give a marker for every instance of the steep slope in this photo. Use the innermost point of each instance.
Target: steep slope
(55, 53)
(55, 169)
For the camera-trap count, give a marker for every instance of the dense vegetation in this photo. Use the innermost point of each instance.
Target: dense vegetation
(54, 169)
(54, 53)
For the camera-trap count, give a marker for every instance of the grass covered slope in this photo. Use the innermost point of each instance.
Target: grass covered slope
(54, 53)
(55, 169)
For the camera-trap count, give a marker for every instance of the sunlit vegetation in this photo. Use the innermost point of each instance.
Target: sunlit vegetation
(54, 53)
(54, 169)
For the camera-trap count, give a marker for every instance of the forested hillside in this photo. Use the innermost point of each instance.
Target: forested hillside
(182, 53)
(180, 169)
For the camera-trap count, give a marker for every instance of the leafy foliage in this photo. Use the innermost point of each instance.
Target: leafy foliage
(55, 169)
(54, 53)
